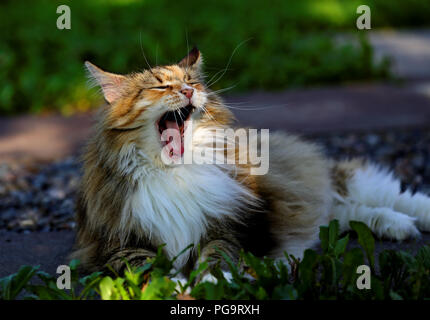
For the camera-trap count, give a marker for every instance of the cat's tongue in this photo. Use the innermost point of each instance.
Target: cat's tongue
(175, 144)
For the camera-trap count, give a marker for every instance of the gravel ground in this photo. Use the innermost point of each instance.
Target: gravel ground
(41, 197)
(38, 197)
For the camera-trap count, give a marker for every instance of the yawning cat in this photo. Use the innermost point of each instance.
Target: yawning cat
(131, 201)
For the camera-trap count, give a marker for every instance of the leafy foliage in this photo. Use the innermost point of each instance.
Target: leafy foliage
(330, 273)
(276, 44)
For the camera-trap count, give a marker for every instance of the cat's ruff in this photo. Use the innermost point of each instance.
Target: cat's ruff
(173, 206)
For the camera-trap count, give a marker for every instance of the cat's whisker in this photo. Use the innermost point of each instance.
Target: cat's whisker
(217, 73)
(254, 108)
(210, 82)
(188, 50)
(181, 115)
(156, 55)
(250, 107)
(143, 53)
(221, 90)
(205, 110)
(176, 120)
(209, 115)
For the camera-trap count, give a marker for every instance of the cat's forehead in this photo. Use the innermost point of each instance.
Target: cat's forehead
(168, 73)
(165, 74)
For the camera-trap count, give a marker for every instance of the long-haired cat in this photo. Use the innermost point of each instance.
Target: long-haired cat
(131, 201)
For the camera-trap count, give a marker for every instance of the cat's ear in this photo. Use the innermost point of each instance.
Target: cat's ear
(110, 83)
(192, 60)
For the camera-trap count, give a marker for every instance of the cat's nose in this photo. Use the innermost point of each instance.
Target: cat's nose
(187, 92)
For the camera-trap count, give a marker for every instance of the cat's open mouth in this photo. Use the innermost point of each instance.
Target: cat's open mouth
(175, 121)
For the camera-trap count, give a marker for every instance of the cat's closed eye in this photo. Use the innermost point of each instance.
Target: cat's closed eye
(161, 87)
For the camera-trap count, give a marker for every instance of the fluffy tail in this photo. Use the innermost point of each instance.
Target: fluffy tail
(367, 193)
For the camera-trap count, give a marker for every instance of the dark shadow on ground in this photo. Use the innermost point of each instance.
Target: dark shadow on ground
(51, 249)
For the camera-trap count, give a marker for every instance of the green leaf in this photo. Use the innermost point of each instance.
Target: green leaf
(231, 265)
(365, 239)
(324, 238)
(377, 289)
(340, 246)
(209, 291)
(161, 262)
(45, 277)
(261, 294)
(333, 233)
(351, 261)
(50, 292)
(74, 264)
(193, 275)
(307, 274)
(423, 257)
(108, 290)
(119, 285)
(158, 288)
(89, 282)
(395, 296)
(182, 252)
(285, 292)
(12, 285)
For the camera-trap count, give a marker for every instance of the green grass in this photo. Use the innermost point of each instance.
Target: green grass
(277, 44)
(327, 274)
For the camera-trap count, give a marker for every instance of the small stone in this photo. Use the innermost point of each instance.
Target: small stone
(56, 194)
(27, 223)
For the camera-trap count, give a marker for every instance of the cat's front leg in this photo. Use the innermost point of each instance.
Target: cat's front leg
(211, 252)
(135, 257)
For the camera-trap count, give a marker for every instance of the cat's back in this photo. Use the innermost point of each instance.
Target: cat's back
(297, 169)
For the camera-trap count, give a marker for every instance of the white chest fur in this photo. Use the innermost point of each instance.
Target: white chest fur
(173, 206)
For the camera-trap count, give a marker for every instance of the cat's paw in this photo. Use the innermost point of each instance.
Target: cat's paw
(400, 227)
(422, 211)
(181, 281)
(417, 205)
(210, 278)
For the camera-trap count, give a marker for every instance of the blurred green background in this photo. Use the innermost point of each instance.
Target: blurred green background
(284, 43)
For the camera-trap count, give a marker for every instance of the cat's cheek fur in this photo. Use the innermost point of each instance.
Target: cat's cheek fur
(199, 99)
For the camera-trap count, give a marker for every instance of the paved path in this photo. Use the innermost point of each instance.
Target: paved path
(409, 50)
(39, 248)
(328, 109)
(325, 109)
(42, 138)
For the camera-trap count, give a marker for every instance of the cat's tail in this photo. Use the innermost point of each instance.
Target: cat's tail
(370, 194)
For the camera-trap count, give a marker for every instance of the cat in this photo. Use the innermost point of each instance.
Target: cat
(130, 201)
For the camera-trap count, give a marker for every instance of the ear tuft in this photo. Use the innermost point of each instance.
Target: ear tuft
(192, 59)
(110, 83)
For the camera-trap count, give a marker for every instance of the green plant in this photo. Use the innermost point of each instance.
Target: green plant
(284, 43)
(330, 273)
